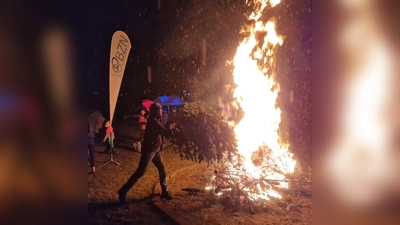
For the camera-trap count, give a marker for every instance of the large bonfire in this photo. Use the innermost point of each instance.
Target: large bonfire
(250, 160)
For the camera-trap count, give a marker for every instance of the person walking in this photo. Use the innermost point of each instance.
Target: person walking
(151, 147)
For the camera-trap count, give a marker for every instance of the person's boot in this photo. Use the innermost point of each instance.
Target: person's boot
(121, 196)
(166, 195)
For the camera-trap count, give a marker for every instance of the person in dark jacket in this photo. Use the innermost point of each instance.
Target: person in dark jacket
(151, 147)
(95, 122)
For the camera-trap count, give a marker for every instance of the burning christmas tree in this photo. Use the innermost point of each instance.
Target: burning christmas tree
(250, 160)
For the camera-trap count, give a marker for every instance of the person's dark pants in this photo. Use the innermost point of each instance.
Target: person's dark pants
(144, 162)
(91, 151)
(142, 135)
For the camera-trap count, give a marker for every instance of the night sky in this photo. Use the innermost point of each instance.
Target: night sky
(169, 40)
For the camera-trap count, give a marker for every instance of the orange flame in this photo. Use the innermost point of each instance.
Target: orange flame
(256, 93)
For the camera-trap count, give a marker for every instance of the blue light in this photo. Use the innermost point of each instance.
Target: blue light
(164, 98)
(176, 100)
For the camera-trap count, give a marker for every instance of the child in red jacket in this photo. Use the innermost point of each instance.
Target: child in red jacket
(109, 137)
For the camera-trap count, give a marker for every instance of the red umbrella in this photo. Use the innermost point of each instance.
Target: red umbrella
(147, 103)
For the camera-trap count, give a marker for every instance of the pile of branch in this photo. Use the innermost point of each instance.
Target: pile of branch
(202, 134)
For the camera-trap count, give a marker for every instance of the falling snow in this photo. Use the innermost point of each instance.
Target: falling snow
(170, 41)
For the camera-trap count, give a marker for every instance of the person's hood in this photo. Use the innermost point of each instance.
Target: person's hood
(155, 110)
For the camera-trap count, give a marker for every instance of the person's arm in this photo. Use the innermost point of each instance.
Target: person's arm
(107, 133)
(165, 131)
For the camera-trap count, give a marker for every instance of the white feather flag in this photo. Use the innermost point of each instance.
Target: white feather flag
(120, 47)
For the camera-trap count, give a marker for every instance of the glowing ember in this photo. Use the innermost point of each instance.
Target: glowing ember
(256, 94)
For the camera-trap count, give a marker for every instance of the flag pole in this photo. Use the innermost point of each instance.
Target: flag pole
(120, 47)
